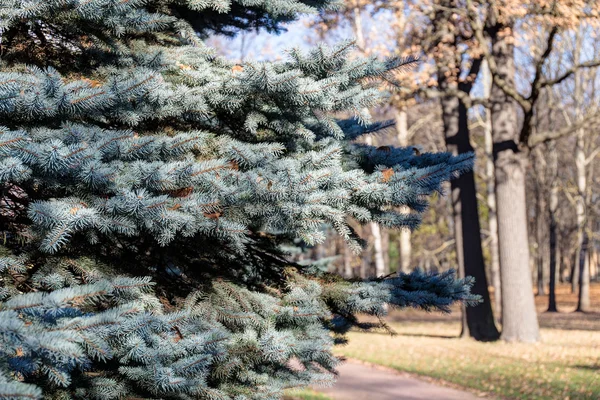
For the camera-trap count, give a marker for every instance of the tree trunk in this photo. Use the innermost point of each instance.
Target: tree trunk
(583, 301)
(554, 249)
(374, 228)
(540, 223)
(593, 259)
(479, 320)
(490, 175)
(575, 269)
(380, 269)
(348, 273)
(404, 244)
(375, 231)
(519, 318)
(583, 264)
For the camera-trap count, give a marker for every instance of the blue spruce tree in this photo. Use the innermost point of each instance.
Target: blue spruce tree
(148, 188)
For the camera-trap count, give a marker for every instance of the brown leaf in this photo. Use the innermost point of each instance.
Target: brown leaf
(234, 165)
(185, 192)
(178, 333)
(177, 206)
(93, 83)
(237, 68)
(215, 215)
(387, 174)
(183, 67)
(73, 210)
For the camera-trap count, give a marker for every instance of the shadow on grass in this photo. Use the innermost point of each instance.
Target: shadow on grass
(410, 334)
(589, 321)
(589, 367)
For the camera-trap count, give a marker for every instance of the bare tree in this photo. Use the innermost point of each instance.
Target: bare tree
(404, 243)
(478, 322)
(380, 267)
(493, 27)
(490, 179)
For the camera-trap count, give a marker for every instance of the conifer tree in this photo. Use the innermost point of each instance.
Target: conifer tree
(148, 191)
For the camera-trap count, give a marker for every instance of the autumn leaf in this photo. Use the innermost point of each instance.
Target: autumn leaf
(234, 165)
(179, 335)
(387, 174)
(184, 192)
(215, 215)
(184, 67)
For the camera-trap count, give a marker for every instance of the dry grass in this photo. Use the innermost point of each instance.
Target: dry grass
(565, 365)
(305, 394)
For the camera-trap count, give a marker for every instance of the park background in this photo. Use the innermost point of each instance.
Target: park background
(145, 258)
(445, 104)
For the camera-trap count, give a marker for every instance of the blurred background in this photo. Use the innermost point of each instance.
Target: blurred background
(516, 82)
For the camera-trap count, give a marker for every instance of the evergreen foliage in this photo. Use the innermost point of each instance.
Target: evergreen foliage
(148, 189)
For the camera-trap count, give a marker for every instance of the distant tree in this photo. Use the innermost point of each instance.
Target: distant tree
(432, 34)
(494, 27)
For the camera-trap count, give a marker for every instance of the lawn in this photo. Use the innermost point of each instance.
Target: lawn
(565, 365)
(305, 394)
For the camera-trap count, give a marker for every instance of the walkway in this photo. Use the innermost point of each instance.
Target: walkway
(358, 381)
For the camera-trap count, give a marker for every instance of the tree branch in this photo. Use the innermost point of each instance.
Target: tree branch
(539, 65)
(569, 72)
(501, 83)
(592, 119)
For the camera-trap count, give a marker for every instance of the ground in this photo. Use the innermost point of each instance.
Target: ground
(565, 365)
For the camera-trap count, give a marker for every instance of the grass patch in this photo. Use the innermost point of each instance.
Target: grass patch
(305, 394)
(565, 365)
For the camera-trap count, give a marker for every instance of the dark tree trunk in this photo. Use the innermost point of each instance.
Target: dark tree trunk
(553, 255)
(519, 317)
(554, 248)
(478, 322)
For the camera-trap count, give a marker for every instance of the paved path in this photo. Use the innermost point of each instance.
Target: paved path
(363, 382)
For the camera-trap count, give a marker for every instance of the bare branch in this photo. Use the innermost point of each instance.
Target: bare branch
(569, 72)
(592, 156)
(539, 65)
(592, 119)
(478, 30)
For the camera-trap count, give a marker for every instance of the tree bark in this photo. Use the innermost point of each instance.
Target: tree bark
(348, 273)
(554, 249)
(404, 243)
(540, 222)
(575, 269)
(583, 300)
(375, 229)
(478, 322)
(519, 318)
(380, 269)
(490, 175)
(583, 265)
